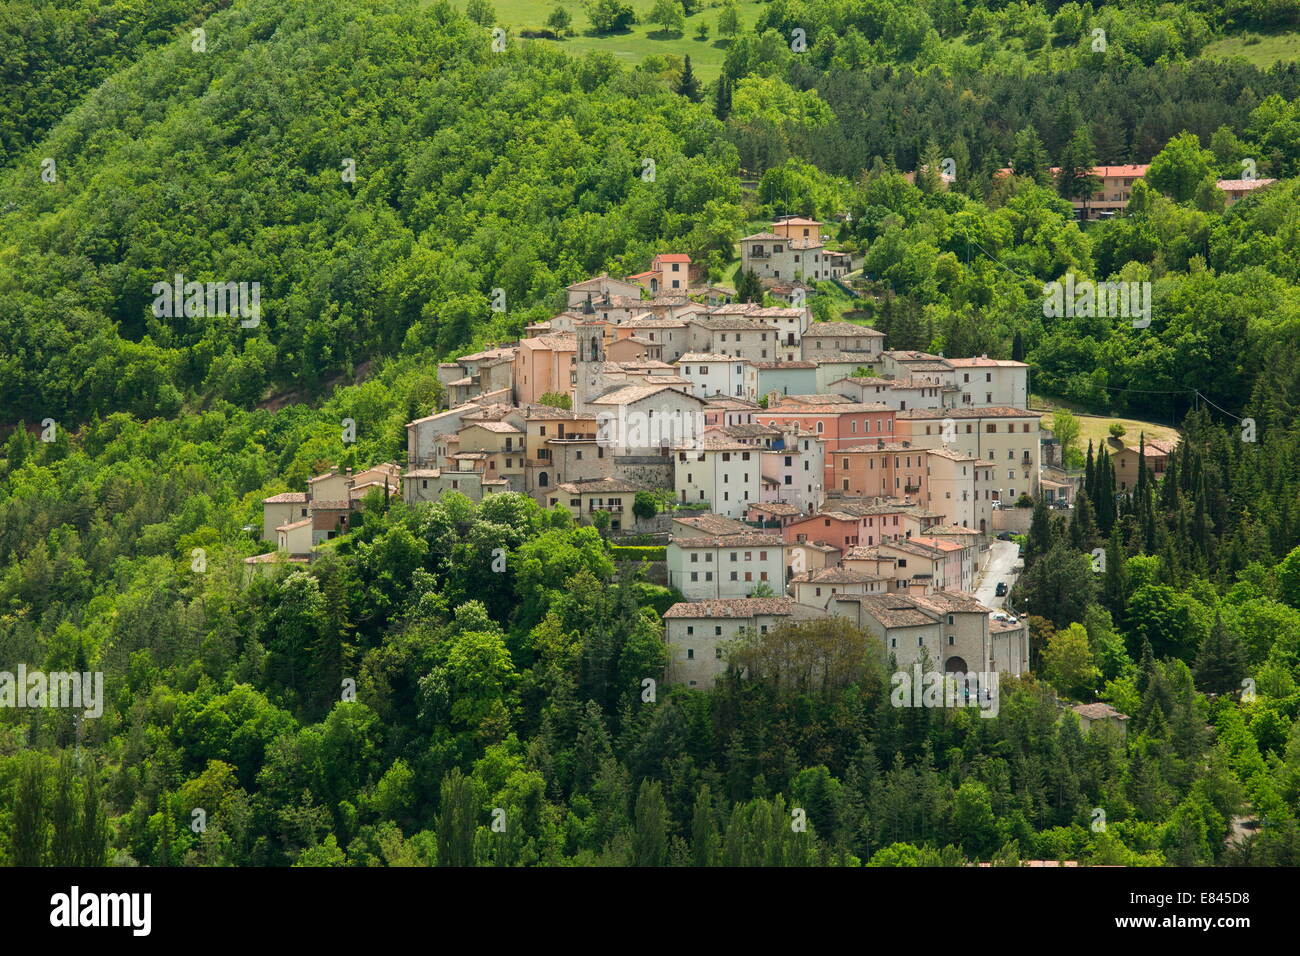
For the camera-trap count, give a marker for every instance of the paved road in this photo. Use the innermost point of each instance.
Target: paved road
(1003, 557)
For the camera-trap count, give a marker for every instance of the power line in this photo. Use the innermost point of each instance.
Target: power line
(1212, 405)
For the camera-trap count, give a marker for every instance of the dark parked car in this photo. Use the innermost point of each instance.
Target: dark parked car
(1001, 589)
(1005, 536)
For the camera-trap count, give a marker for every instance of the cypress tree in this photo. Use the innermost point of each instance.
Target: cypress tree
(1083, 525)
(1105, 496)
(1090, 475)
(64, 815)
(650, 827)
(168, 826)
(1142, 464)
(1114, 589)
(722, 98)
(704, 829)
(1039, 540)
(688, 86)
(1169, 487)
(28, 822)
(738, 768)
(1148, 520)
(457, 820)
(92, 836)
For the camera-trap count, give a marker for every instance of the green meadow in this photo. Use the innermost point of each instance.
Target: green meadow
(643, 40)
(1261, 51)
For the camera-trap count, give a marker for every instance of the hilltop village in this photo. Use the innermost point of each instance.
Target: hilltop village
(789, 468)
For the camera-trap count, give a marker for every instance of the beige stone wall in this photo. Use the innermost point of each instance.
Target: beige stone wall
(278, 513)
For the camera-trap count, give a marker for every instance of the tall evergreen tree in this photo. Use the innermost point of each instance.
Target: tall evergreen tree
(1029, 157)
(929, 175)
(457, 820)
(64, 814)
(722, 97)
(650, 826)
(29, 815)
(1090, 475)
(749, 288)
(1142, 464)
(1039, 540)
(1083, 524)
(1220, 661)
(689, 86)
(704, 829)
(592, 747)
(1075, 180)
(1114, 587)
(1104, 499)
(92, 837)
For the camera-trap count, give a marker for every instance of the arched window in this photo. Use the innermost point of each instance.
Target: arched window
(542, 480)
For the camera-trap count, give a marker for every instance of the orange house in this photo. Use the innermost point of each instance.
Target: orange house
(882, 468)
(840, 426)
(856, 525)
(545, 364)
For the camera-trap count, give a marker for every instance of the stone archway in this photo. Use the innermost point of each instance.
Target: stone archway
(954, 665)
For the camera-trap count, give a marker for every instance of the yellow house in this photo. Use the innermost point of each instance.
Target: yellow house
(552, 438)
(504, 448)
(797, 227)
(1125, 458)
(585, 498)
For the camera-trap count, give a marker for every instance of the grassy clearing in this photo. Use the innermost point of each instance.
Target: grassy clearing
(1097, 427)
(644, 39)
(1262, 51)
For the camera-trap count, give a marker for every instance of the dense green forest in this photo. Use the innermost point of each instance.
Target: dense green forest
(524, 690)
(53, 53)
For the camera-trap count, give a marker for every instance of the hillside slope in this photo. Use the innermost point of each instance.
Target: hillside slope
(474, 170)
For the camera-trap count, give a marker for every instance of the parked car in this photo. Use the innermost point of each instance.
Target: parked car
(1005, 536)
(1001, 589)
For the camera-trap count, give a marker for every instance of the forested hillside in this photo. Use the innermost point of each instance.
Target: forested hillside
(52, 54)
(474, 171)
(524, 689)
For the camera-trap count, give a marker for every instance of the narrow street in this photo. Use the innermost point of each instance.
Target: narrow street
(1002, 558)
